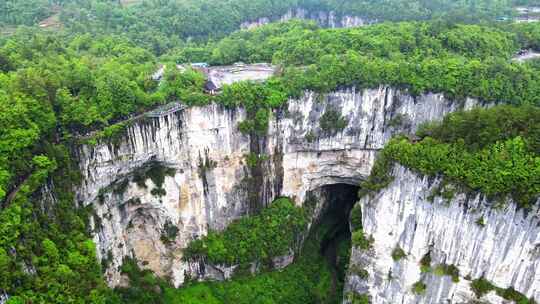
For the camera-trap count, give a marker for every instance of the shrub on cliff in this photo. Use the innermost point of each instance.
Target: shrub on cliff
(360, 240)
(332, 122)
(481, 287)
(494, 151)
(419, 288)
(398, 254)
(260, 237)
(447, 270)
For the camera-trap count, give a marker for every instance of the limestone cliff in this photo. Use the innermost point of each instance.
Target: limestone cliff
(203, 181)
(482, 238)
(324, 18)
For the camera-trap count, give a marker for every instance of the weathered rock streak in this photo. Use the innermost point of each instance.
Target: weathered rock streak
(210, 184)
(467, 231)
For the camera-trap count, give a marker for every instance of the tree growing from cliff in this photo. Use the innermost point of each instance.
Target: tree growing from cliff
(259, 238)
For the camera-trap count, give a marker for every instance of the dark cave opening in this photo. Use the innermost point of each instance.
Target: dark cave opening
(335, 231)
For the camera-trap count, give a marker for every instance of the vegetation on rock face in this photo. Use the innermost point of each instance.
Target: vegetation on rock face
(169, 233)
(398, 254)
(257, 238)
(359, 271)
(307, 280)
(497, 161)
(380, 175)
(55, 86)
(360, 240)
(332, 122)
(419, 288)
(481, 287)
(356, 217)
(480, 222)
(425, 263)
(355, 298)
(447, 270)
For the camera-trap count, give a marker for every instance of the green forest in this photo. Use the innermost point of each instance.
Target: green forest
(214, 18)
(307, 280)
(93, 70)
(494, 151)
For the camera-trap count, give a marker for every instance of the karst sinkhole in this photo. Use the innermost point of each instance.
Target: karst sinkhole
(334, 230)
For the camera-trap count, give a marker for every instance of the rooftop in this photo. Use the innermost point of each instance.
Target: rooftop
(525, 55)
(224, 75)
(218, 76)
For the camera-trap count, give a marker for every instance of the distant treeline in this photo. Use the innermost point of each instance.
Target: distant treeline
(160, 24)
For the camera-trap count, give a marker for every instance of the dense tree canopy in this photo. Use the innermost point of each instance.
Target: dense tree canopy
(256, 238)
(160, 24)
(494, 151)
(96, 71)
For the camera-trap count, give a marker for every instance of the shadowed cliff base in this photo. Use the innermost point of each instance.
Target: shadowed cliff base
(316, 275)
(334, 225)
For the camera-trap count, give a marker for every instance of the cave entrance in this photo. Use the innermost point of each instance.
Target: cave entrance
(334, 229)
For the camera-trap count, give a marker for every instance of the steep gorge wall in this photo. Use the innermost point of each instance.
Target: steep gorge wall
(210, 184)
(206, 191)
(503, 247)
(324, 18)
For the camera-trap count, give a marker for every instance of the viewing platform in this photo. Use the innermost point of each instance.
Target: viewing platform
(219, 76)
(165, 110)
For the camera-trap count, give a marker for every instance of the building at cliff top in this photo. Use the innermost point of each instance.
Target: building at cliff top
(527, 14)
(525, 55)
(218, 76)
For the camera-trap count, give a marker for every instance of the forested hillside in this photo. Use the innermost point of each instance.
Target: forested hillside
(495, 151)
(78, 84)
(161, 24)
(96, 71)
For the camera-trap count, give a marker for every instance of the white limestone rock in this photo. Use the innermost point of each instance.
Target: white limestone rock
(4, 297)
(505, 250)
(323, 18)
(209, 188)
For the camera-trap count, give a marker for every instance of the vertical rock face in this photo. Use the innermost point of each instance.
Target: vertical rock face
(323, 18)
(206, 153)
(476, 235)
(313, 157)
(204, 181)
(3, 297)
